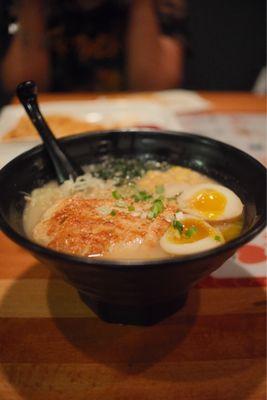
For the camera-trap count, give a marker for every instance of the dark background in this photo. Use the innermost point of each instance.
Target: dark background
(227, 44)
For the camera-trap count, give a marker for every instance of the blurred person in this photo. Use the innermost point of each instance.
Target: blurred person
(96, 45)
(113, 45)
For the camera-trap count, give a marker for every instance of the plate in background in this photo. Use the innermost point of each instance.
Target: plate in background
(155, 110)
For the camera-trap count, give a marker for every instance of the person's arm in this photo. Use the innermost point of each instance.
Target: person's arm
(27, 56)
(154, 61)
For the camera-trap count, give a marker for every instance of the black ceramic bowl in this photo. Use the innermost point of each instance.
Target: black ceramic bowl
(134, 292)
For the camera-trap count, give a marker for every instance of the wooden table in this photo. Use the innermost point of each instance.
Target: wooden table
(53, 347)
(221, 101)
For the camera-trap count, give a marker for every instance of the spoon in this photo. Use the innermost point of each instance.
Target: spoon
(65, 167)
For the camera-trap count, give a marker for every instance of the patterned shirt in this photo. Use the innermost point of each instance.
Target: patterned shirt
(86, 40)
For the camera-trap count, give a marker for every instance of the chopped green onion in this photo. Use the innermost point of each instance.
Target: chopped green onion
(156, 209)
(218, 238)
(142, 196)
(178, 225)
(103, 210)
(116, 195)
(150, 215)
(159, 189)
(120, 203)
(113, 213)
(131, 208)
(131, 184)
(190, 231)
(161, 197)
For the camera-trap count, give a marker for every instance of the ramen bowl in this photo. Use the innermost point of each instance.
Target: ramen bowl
(133, 291)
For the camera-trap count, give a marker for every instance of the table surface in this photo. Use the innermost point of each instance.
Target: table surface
(53, 347)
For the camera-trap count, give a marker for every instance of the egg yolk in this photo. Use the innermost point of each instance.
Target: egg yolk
(231, 230)
(192, 231)
(209, 202)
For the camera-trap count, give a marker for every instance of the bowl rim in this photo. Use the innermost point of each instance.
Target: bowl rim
(131, 263)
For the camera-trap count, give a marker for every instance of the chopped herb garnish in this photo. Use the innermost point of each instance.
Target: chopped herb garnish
(125, 170)
(120, 203)
(218, 238)
(142, 196)
(159, 189)
(131, 208)
(113, 213)
(156, 209)
(160, 197)
(131, 184)
(178, 225)
(103, 210)
(116, 195)
(190, 231)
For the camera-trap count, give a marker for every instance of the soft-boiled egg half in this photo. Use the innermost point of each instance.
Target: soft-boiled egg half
(210, 201)
(189, 234)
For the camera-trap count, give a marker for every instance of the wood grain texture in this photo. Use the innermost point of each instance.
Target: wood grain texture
(235, 102)
(53, 348)
(206, 338)
(229, 102)
(224, 379)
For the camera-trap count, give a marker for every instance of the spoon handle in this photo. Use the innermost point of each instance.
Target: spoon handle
(65, 168)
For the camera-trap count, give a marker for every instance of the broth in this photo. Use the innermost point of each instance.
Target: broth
(132, 209)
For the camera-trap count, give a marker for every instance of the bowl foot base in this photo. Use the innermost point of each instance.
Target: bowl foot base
(134, 315)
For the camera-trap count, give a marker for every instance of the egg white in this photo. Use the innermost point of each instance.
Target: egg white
(233, 207)
(207, 243)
